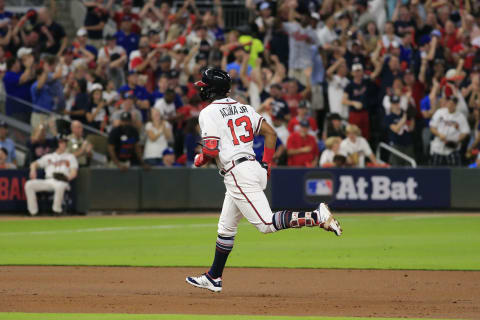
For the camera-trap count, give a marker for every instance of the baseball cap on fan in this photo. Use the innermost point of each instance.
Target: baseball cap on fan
(277, 114)
(167, 151)
(201, 56)
(453, 98)
(334, 116)
(128, 95)
(452, 75)
(165, 59)
(96, 86)
(303, 104)
(126, 116)
(82, 32)
(357, 67)
(264, 6)
(394, 99)
(304, 123)
(62, 137)
(23, 52)
(173, 74)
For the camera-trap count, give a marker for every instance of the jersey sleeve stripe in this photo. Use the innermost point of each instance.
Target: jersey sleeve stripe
(259, 125)
(211, 137)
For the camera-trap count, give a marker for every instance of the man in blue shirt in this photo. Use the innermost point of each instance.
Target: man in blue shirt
(258, 146)
(168, 158)
(44, 92)
(428, 106)
(82, 41)
(17, 86)
(7, 143)
(5, 17)
(237, 63)
(157, 94)
(126, 38)
(142, 96)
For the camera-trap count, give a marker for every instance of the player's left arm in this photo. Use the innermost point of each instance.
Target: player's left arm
(73, 174)
(73, 168)
(270, 141)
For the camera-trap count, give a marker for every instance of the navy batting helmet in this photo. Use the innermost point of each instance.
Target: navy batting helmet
(215, 84)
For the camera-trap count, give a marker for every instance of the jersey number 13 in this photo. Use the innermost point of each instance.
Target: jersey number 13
(246, 124)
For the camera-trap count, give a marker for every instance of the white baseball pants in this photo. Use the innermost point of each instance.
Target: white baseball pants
(244, 197)
(40, 185)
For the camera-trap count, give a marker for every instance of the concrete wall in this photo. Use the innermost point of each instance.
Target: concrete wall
(203, 189)
(465, 188)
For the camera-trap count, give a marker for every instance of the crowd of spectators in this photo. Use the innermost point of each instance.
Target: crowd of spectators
(334, 78)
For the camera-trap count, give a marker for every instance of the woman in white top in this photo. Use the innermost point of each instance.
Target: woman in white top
(397, 90)
(332, 145)
(356, 148)
(97, 116)
(159, 134)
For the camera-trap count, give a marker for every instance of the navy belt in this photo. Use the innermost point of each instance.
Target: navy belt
(236, 163)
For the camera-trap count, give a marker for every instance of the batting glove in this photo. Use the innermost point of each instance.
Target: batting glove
(201, 160)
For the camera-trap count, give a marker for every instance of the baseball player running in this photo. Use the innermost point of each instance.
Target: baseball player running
(60, 168)
(228, 128)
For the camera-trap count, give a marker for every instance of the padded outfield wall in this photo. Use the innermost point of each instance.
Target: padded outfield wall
(289, 188)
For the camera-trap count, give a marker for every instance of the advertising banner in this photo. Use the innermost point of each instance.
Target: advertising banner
(361, 188)
(12, 192)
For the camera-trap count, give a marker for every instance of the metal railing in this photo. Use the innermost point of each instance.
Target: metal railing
(234, 12)
(383, 145)
(37, 108)
(24, 130)
(25, 3)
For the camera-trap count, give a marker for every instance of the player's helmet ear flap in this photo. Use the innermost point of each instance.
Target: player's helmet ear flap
(215, 84)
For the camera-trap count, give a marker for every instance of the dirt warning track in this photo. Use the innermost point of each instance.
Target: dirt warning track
(375, 293)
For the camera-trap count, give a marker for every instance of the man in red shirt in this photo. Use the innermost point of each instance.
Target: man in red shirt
(294, 123)
(127, 12)
(293, 96)
(302, 148)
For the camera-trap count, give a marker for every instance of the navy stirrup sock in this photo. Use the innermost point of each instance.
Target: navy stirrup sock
(223, 248)
(281, 219)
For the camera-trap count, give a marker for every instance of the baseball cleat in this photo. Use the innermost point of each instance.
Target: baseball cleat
(327, 221)
(206, 282)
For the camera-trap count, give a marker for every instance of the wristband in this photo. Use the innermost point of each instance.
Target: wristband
(268, 154)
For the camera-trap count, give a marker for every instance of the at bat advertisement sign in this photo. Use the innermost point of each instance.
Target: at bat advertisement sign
(319, 187)
(362, 188)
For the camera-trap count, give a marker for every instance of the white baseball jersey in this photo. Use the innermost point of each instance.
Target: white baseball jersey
(452, 125)
(234, 125)
(360, 146)
(58, 163)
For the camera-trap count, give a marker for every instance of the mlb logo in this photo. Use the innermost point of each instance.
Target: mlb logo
(319, 187)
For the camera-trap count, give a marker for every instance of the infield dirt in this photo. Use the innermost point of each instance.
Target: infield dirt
(371, 293)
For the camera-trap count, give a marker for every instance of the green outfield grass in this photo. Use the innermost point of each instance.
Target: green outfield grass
(77, 316)
(438, 242)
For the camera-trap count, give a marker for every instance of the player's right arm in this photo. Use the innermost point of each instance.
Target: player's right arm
(33, 170)
(210, 140)
(36, 164)
(270, 141)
